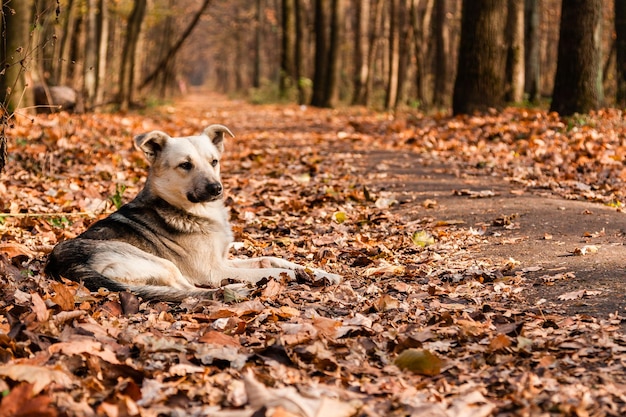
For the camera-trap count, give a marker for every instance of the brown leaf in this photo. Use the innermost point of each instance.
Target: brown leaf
(39, 307)
(501, 341)
(130, 303)
(213, 337)
(39, 376)
(420, 361)
(63, 296)
(20, 402)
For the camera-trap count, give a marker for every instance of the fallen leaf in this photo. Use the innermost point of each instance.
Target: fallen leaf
(420, 361)
(39, 376)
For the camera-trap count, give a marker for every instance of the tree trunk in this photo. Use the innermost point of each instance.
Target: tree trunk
(421, 18)
(404, 44)
(321, 53)
(441, 92)
(16, 18)
(258, 44)
(576, 86)
(288, 48)
(91, 54)
(532, 69)
(361, 52)
(620, 45)
(515, 53)
(128, 55)
(103, 43)
(479, 83)
(334, 53)
(299, 64)
(63, 60)
(394, 55)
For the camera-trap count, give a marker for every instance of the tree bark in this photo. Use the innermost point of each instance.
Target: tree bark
(258, 45)
(394, 55)
(15, 54)
(321, 53)
(361, 52)
(128, 55)
(421, 17)
(334, 53)
(441, 93)
(479, 83)
(300, 53)
(515, 53)
(92, 48)
(576, 86)
(103, 43)
(288, 48)
(532, 71)
(620, 45)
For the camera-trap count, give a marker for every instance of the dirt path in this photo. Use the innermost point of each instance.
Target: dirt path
(544, 233)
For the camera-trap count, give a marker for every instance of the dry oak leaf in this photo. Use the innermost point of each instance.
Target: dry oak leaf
(291, 401)
(85, 346)
(39, 376)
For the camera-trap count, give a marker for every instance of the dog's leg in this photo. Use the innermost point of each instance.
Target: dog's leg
(269, 266)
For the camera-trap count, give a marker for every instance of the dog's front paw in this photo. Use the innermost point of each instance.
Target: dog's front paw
(332, 279)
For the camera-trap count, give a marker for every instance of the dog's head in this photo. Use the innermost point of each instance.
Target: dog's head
(185, 171)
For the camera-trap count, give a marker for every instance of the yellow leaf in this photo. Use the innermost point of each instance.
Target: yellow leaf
(422, 238)
(419, 361)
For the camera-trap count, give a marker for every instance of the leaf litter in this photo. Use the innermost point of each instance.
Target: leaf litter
(420, 326)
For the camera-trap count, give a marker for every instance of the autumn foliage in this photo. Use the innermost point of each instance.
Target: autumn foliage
(422, 324)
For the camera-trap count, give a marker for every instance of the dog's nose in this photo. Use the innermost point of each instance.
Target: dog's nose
(214, 189)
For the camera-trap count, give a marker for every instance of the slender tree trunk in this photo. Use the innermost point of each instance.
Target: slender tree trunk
(441, 93)
(576, 86)
(16, 18)
(404, 31)
(394, 55)
(532, 71)
(421, 18)
(515, 55)
(620, 46)
(64, 59)
(288, 49)
(91, 54)
(103, 43)
(299, 64)
(479, 83)
(321, 53)
(334, 53)
(375, 34)
(128, 55)
(258, 44)
(361, 52)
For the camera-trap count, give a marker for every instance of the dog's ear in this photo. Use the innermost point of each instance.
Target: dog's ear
(216, 134)
(151, 143)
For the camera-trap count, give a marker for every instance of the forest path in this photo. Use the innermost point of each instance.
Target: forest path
(571, 252)
(560, 245)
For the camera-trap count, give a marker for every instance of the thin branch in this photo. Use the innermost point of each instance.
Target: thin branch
(174, 49)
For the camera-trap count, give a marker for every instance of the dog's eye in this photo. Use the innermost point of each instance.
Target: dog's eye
(214, 162)
(185, 166)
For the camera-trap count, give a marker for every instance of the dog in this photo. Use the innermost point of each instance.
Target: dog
(172, 240)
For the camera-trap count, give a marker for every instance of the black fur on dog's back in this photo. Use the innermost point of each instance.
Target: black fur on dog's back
(139, 223)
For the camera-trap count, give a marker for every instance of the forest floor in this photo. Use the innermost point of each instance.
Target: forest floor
(482, 259)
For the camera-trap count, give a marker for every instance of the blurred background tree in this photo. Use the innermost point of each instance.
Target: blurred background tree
(120, 54)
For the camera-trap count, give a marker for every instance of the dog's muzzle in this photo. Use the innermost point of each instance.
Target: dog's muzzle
(210, 192)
